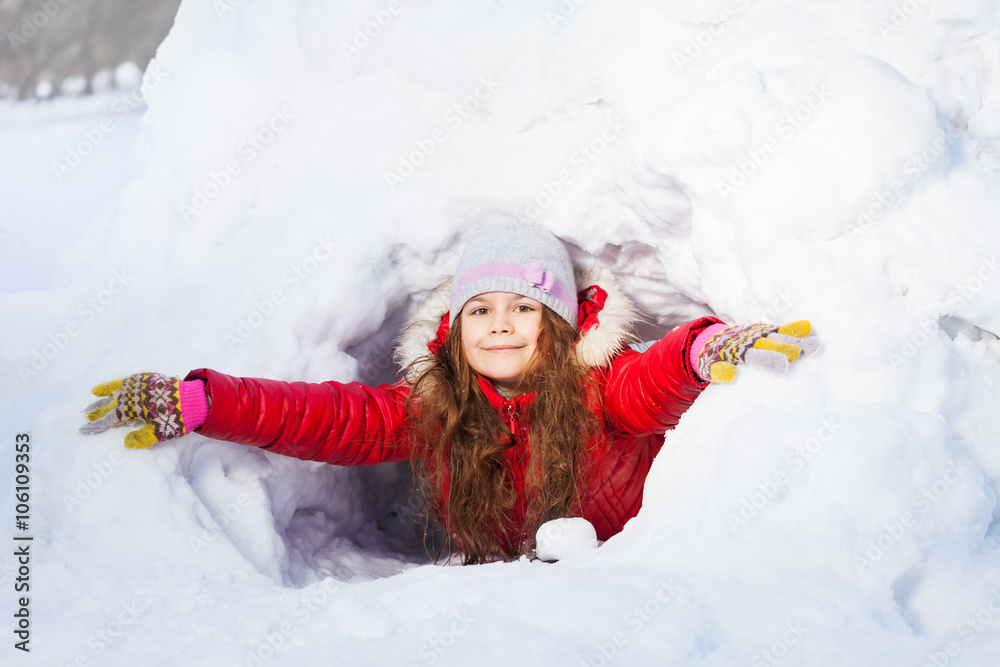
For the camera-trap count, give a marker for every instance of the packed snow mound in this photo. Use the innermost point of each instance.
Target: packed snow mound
(563, 538)
(306, 172)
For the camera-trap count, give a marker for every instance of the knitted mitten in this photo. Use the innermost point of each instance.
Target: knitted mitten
(719, 348)
(171, 408)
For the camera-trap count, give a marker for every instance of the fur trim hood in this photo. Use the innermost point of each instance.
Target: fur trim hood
(605, 329)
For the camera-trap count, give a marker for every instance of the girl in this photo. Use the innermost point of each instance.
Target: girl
(520, 401)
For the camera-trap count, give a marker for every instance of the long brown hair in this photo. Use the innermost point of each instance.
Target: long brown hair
(459, 440)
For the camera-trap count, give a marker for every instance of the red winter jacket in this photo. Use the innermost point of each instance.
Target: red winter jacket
(644, 395)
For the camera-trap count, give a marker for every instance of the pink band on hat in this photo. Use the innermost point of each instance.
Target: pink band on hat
(533, 274)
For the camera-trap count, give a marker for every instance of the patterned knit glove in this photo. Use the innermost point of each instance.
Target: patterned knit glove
(169, 407)
(760, 345)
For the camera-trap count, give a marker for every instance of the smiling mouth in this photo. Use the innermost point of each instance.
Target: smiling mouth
(503, 348)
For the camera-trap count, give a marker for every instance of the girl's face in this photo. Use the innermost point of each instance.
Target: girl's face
(499, 335)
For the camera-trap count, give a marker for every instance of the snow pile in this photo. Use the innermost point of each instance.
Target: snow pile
(305, 172)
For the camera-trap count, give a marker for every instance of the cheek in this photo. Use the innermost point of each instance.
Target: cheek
(535, 331)
(468, 339)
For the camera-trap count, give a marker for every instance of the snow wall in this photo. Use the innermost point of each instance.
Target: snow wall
(306, 172)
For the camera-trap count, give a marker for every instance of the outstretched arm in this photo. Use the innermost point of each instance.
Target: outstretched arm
(648, 392)
(333, 422)
(344, 424)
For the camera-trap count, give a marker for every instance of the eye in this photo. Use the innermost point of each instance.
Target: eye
(479, 311)
(523, 308)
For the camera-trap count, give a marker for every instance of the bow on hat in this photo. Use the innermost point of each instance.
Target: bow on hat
(539, 277)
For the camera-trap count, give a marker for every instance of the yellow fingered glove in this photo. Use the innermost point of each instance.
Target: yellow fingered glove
(760, 345)
(143, 397)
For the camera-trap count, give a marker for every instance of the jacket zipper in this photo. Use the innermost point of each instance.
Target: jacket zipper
(513, 420)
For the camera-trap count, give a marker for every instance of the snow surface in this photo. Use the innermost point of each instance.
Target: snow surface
(297, 184)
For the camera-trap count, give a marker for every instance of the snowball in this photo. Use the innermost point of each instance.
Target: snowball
(564, 538)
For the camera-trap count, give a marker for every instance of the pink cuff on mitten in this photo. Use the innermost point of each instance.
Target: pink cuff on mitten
(194, 404)
(700, 341)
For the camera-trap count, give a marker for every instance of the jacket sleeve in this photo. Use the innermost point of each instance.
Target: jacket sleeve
(647, 392)
(344, 424)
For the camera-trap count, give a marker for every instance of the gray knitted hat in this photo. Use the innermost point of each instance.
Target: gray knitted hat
(521, 258)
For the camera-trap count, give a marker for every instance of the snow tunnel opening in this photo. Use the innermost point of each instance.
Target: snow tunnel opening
(366, 521)
(390, 488)
(394, 534)
(377, 534)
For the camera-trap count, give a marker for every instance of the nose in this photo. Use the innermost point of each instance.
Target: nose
(500, 324)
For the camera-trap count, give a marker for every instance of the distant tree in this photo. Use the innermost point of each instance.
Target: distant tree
(53, 40)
